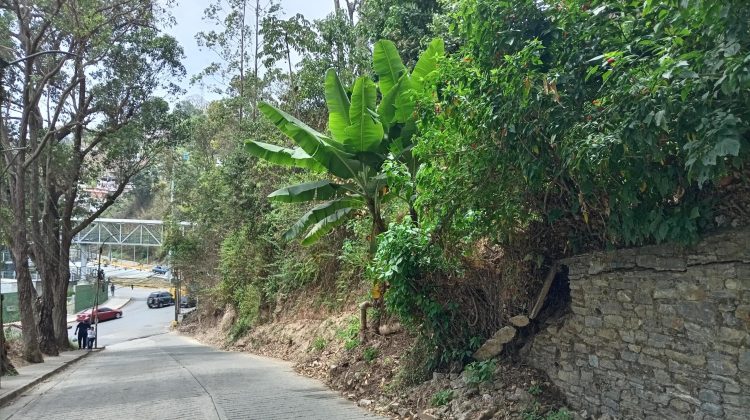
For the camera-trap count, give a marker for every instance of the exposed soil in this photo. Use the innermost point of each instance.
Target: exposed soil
(368, 373)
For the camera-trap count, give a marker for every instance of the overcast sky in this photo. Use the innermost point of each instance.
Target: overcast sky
(189, 16)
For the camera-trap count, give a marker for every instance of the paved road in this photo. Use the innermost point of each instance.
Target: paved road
(137, 321)
(167, 376)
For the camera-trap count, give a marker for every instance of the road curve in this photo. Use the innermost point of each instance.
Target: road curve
(168, 376)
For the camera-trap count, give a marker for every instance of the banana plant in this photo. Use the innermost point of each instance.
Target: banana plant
(363, 135)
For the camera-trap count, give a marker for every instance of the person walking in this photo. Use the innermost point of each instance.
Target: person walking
(112, 288)
(82, 330)
(91, 337)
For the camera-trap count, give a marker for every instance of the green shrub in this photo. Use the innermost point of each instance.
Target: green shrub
(405, 258)
(532, 413)
(370, 354)
(614, 125)
(247, 301)
(535, 390)
(239, 328)
(349, 334)
(318, 344)
(441, 398)
(478, 372)
(417, 364)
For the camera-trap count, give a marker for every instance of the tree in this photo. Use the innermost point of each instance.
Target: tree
(232, 45)
(597, 123)
(406, 23)
(119, 61)
(280, 38)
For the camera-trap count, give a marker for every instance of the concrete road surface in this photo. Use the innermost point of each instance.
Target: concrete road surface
(167, 376)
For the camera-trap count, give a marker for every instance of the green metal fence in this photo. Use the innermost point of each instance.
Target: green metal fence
(84, 299)
(10, 307)
(85, 295)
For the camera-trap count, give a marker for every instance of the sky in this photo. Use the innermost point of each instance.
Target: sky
(189, 17)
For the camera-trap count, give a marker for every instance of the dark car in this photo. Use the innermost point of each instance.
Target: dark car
(102, 313)
(187, 302)
(160, 270)
(159, 299)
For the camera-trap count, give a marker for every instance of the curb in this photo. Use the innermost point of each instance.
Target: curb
(5, 399)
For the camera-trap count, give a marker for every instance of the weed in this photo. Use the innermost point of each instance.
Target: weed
(417, 364)
(350, 333)
(532, 413)
(535, 390)
(318, 344)
(441, 398)
(370, 354)
(351, 344)
(478, 372)
(561, 414)
(239, 328)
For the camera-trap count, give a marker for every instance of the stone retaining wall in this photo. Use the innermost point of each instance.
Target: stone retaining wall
(656, 332)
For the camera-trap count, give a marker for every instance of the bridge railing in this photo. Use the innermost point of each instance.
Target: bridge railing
(148, 233)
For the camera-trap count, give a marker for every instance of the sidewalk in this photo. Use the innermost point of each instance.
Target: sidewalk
(28, 376)
(33, 374)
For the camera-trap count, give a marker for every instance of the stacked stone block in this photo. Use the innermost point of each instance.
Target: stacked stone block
(658, 332)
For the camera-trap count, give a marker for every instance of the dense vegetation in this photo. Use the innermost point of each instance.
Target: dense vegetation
(547, 129)
(538, 130)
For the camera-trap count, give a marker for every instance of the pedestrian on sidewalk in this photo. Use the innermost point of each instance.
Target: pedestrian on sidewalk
(131, 287)
(91, 336)
(82, 330)
(112, 289)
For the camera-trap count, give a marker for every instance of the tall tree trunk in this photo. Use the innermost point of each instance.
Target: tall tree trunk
(292, 87)
(257, 57)
(60, 310)
(46, 252)
(26, 295)
(19, 238)
(44, 247)
(47, 339)
(338, 41)
(242, 60)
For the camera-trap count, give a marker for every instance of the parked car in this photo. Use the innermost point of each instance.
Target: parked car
(187, 302)
(103, 313)
(160, 270)
(159, 299)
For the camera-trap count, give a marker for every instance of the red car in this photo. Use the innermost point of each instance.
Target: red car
(103, 314)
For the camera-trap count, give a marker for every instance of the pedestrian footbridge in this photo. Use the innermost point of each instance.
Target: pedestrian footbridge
(131, 232)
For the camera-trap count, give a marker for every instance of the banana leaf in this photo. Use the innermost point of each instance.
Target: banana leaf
(308, 191)
(365, 134)
(387, 65)
(338, 106)
(326, 225)
(319, 147)
(296, 157)
(427, 62)
(320, 212)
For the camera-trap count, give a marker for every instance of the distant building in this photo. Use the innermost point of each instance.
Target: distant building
(105, 186)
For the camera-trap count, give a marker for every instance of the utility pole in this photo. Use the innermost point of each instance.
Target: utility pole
(95, 313)
(176, 295)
